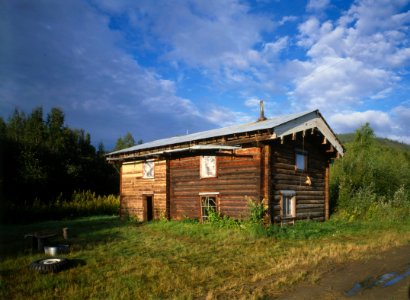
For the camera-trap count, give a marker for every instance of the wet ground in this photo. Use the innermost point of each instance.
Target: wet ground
(336, 283)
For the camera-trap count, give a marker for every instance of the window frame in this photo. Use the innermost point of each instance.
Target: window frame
(202, 197)
(202, 167)
(288, 210)
(304, 154)
(144, 173)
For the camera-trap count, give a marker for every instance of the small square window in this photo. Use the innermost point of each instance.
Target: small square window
(301, 161)
(208, 166)
(148, 169)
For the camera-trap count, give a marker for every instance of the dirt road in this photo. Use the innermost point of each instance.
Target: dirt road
(335, 283)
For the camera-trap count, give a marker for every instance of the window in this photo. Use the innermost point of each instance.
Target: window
(148, 169)
(288, 205)
(208, 203)
(208, 166)
(301, 160)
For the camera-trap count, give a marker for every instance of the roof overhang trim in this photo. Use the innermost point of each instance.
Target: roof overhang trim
(275, 128)
(306, 123)
(167, 153)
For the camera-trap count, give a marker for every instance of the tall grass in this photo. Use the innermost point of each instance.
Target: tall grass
(82, 203)
(183, 260)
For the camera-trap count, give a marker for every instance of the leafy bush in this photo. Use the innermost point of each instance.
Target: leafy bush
(82, 203)
(216, 219)
(371, 181)
(257, 211)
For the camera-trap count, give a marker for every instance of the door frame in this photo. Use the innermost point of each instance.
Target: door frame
(148, 207)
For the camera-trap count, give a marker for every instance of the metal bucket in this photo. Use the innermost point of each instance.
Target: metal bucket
(54, 250)
(51, 250)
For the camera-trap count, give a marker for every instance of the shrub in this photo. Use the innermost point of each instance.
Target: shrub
(82, 203)
(216, 219)
(257, 211)
(371, 182)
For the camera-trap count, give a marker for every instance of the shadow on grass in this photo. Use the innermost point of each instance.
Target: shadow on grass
(83, 234)
(74, 263)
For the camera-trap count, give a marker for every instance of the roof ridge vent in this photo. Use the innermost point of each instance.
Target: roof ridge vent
(262, 112)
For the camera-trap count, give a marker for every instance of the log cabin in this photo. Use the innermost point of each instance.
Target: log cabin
(282, 162)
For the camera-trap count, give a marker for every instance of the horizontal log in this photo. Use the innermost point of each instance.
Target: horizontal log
(220, 181)
(299, 181)
(311, 201)
(302, 202)
(241, 194)
(283, 166)
(303, 208)
(303, 193)
(310, 214)
(214, 183)
(296, 187)
(292, 176)
(310, 206)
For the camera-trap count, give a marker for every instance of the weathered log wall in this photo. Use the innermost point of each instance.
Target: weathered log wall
(256, 172)
(135, 189)
(237, 176)
(310, 200)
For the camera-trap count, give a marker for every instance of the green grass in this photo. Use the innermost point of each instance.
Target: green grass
(121, 260)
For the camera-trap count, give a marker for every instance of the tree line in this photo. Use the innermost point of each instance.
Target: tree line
(42, 159)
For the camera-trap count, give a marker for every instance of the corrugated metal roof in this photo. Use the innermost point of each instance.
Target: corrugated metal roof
(195, 148)
(234, 129)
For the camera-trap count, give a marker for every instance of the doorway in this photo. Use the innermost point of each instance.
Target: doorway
(150, 208)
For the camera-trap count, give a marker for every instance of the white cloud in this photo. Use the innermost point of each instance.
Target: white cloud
(350, 121)
(202, 34)
(401, 116)
(64, 54)
(287, 19)
(71, 54)
(353, 60)
(393, 124)
(252, 102)
(335, 84)
(219, 38)
(271, 50)
(315, 5)
(309, 32)
(225, 117)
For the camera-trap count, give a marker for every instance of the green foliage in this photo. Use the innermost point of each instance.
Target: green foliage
(82, 203)
(257, 211)
(41, 158)
(347, 138)
(216, 219)
(254, 222)
(371, 181)
(124, 142)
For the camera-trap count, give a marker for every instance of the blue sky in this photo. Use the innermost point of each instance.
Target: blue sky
(165, 68)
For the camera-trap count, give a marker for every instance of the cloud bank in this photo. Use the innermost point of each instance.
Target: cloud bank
(163, 68)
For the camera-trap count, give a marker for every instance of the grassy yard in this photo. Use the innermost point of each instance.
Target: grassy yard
(123, 260)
